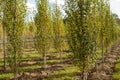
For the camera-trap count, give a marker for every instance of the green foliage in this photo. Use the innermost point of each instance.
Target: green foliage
(32, 27)
(29, 29)
(80, 39)
(43, 26)
(58, 29)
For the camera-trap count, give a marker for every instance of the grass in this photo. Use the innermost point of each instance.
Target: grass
(5, 75)
(29, 56)
(67, 73)
(116, 74)
(28, 68)
(1, 62)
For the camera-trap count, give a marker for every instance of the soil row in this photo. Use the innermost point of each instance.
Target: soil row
(105, 66)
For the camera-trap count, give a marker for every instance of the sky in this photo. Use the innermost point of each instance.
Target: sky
(114, 5)
(32, 7)
(31, 4)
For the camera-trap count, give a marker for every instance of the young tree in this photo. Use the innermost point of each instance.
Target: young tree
(58, 30)
(43, 28)
(13, 22)
(80, 37)
(105, 33)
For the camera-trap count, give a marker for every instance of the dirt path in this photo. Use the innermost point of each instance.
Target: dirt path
(104, 68)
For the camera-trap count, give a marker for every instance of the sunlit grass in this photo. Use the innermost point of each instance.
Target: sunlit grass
(4, 76)
(116, 74)
(66, 73)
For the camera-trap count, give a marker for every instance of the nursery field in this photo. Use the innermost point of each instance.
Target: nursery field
(59, 40)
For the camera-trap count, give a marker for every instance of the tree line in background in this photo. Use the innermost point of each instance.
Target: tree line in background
(88, 26)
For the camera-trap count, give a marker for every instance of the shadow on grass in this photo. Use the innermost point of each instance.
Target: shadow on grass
(5, 75)
(49, 62)
(117, 70)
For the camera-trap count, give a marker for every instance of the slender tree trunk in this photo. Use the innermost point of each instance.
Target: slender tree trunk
(84, 75)
(102, 50)
(15, 67)
(15, 75)
(106, 49)
(45, 59)
(4, 49)
(61, 56)
(106, 46)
